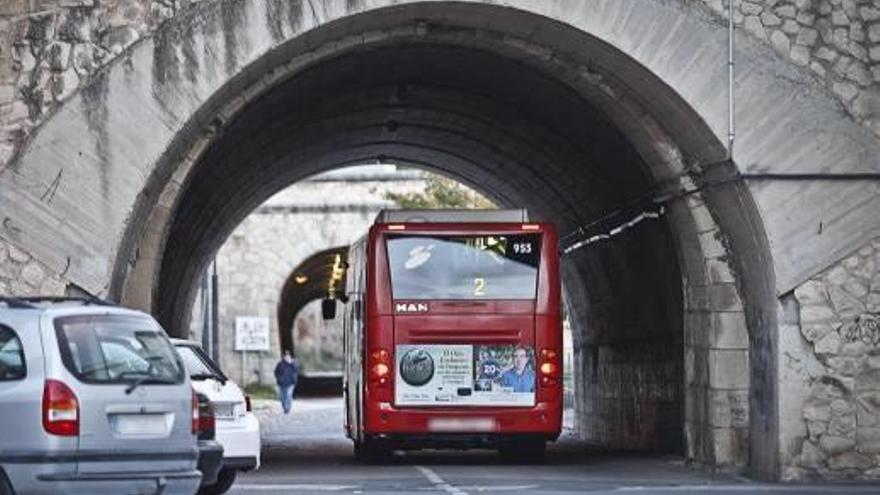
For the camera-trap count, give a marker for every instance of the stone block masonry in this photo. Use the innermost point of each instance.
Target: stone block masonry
(840, 325)
(22, 275)
(837, 40)
(49, 49)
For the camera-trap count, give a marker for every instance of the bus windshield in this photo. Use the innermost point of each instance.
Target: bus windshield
(483, 266)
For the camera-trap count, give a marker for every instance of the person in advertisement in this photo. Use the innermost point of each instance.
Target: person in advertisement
(520, 377)
(286, 375)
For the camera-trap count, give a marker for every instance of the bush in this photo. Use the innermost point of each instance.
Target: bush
(257, 391)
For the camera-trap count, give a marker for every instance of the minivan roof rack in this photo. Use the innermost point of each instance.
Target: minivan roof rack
(16, 303)
(85, 300)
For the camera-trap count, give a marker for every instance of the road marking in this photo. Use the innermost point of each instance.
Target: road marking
(278, 487)
(498, 488)
(746, 488)
(438, 482)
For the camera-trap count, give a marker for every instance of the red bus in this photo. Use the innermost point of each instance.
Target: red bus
(453, 334)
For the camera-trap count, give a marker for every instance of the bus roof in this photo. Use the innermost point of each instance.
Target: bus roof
(452, 216)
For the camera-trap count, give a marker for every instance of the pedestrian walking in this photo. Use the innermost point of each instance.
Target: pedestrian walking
(286, 375)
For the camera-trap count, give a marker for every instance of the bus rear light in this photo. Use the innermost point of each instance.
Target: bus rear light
(380, 366)
(549, 366)
(397, 227)
(531, 226)
(548, 369)
(60, 409)
(380, 371)
(379, 356)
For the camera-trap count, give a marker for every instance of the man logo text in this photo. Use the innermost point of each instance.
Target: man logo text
(411, 308)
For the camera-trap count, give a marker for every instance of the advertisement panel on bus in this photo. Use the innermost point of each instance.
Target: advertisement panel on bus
(465, 375)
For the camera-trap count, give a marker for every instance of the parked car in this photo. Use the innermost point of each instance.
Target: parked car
(210, 451)
(94, 400)
(238, 430)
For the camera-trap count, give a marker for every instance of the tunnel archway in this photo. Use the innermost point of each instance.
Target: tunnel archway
(93, 191)
(554, 120)
(307, 282)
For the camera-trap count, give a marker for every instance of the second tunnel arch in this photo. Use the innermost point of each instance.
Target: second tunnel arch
(307, 282)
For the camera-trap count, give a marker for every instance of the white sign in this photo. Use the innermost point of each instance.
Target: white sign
(251, 333)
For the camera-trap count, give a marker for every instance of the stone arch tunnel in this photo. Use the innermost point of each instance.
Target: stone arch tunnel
(309, 281)
(586, 113)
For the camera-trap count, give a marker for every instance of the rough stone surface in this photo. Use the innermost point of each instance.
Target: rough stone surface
(815, 34)
(59, 45)
(841, 329)
(23, 275)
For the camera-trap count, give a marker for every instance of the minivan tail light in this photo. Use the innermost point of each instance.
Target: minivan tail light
(60, 409)
(194, 426)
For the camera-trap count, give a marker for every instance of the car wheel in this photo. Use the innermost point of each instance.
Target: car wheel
(225, 479)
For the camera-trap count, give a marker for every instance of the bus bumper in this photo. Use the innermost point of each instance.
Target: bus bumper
(482, 426)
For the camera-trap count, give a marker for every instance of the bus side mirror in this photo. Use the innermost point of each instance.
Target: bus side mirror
(328, 308)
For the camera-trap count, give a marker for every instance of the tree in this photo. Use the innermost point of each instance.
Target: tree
(441, 192)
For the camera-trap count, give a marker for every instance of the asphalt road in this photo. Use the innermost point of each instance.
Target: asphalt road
(306, 453)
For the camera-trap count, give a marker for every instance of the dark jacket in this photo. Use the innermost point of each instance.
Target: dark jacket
(286, 374)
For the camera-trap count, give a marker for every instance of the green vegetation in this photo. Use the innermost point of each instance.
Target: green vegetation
(441, 192)
(258, 391)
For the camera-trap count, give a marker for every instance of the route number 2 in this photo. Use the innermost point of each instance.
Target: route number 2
(480, 286)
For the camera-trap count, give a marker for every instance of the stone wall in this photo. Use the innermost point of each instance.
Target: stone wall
(837, 365)
(838, 40)
(50, 48)
(23, 275)
(716, 351)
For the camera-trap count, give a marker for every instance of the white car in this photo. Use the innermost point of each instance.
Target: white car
(238, 430)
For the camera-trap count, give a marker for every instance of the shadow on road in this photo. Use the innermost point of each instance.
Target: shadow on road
(312, 438)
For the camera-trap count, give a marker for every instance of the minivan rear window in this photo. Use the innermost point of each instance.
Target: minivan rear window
(12, 364)
(110, 349)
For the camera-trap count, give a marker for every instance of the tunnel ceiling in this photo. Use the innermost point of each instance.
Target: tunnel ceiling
(501, 126)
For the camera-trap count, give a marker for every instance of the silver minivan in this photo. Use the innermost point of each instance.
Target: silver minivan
(93, 399)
